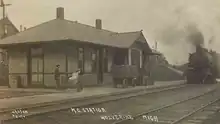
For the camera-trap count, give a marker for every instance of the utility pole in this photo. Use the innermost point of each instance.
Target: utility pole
(3, 5)
(155, 45)
(210, 42)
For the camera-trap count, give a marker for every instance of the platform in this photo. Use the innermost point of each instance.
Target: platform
(16, 102)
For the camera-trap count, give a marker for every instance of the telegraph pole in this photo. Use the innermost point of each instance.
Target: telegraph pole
(155, 45)
(3, 5)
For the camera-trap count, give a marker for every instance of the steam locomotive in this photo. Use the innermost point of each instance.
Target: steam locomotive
(202, 67)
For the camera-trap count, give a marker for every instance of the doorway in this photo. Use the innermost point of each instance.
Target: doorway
(37, 70)
(36, 67)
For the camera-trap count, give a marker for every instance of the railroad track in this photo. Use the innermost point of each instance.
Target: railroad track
(181, 112)
(149, 101)
(213, 118)
(56, 106)
(201, 114)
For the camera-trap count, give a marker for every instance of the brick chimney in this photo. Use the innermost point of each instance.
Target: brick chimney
(21, 28)
(60, 13)
(98, 24)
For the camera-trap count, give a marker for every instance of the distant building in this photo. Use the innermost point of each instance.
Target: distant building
(159, 58)
(33, 53)
(7, 28)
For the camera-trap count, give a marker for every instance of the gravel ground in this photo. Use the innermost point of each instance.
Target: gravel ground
(214, 118)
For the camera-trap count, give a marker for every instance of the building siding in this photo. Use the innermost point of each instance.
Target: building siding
(17, 62)
(108, 76)
(89, 78)
(72, 58)
(88, 59)
(135, 57)
(52, 54)
(18, 66)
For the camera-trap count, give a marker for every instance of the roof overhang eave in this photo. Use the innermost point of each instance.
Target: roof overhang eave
(40, 42)
(152, 53)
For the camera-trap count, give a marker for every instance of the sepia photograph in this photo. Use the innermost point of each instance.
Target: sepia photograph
(109, 62)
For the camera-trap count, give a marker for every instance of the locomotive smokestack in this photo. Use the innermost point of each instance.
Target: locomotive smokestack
(198, 48)
(195, 36)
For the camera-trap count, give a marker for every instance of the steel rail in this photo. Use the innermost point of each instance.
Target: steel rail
(163, 107)
(99, 100)
(191, 113)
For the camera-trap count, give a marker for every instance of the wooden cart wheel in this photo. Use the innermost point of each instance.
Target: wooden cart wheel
(124, 83)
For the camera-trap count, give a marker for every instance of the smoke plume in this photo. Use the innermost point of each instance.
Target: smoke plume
(188, 34)
(171, 35)
(194, 36)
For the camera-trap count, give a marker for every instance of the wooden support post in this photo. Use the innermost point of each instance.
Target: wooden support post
(129, 57)
(141, 58)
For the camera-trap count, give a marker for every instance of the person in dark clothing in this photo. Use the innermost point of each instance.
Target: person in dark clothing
(57, 76)
(79, 84)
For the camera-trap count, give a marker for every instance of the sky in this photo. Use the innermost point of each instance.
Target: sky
(163, 21)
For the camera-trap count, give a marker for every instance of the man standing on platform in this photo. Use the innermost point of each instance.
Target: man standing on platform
(79, 80)
(57, 76)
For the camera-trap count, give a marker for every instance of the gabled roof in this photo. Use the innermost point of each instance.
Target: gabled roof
(10, 27)
(7, 21)
(124, 39)
(61, 29)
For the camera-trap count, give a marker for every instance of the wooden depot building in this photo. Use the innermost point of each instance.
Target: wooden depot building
(34, 53)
